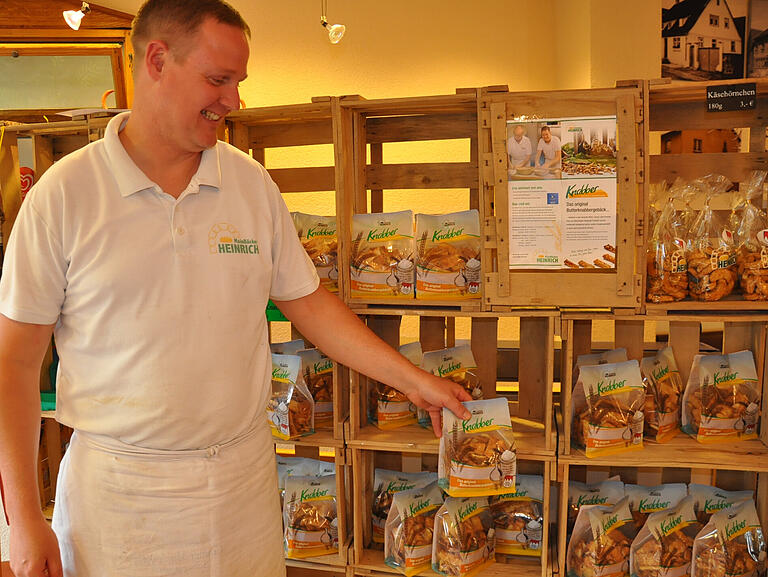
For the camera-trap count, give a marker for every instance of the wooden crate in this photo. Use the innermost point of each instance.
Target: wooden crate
(531, 410)
(318, 446)
(369, 125)
(616, 288)
(368, 560)
(729, 479)
(683, 107)
(54, 439)
(257, 130)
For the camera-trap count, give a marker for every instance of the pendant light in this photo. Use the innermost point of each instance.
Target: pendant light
(335, 31)
(74, 17)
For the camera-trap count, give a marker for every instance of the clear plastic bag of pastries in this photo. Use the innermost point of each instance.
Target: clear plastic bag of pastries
(409, 530)
(666, 259)
(731, 544)
(644, 501)
(290, 409)
(752, 240)
(309, 517)
(319, 238)
(605, 493)
(389, 408)
(318, 376)
(708, 500)
(386, 484)
(663, 396)
(664, 546)
(600, 541)
(519, 517)
(465, 540)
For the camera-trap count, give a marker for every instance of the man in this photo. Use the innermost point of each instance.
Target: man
(519, 148)
(164, 365)
(549, 148)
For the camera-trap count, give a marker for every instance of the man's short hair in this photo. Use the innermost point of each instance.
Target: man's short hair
(547, 128)
(174, 21)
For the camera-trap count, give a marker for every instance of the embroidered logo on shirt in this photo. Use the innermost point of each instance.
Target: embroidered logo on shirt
(224, 238)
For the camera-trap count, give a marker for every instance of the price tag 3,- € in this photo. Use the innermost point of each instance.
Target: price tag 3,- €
(730, 97)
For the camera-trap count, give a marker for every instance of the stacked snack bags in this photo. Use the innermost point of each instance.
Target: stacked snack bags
(309, 517)
(663, 395)
(386, 485)
(410, 529)
(644, 501)
(290, 410)
(464, 542)
(317, 370)
(388, 408)
(319, 238)
(606, 493)
(752, 238)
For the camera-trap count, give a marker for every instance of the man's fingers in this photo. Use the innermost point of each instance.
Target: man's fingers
(437, 422)
(54, 566)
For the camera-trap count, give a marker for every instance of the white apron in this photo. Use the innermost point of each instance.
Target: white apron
(125, 511)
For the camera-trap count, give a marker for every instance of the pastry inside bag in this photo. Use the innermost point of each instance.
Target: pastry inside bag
(752, 238)
(465, 540)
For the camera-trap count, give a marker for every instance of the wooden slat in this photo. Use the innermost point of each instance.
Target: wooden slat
(684, 340)
(387, 328)
(626, 173)
(377, 194)
(499, 160)
(432, 333)
(305, 179)
(239, 136)
(536, 347)
(484, 346)
(63, 145)
(420, 128)
(10, 183)
(43, 155)
(422, 175)
(735, 165)
(629, 334)
(292, 134)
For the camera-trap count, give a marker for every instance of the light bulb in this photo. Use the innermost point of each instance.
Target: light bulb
(73, 18)
(336, 32)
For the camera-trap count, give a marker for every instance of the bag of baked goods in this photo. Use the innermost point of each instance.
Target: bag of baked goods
(752, 238)
(722, 398)
(382, 255)
(300, 467)
(288, 347)
(731, 544)
(290, 410)
(603, 358)
(600, 541)
(410, 527)
(465, 540)
(664, 545)
(666, 259)
(519, 517)
(448, 255)
(712, 255)
(605, 493)
(318, 237)
(658, 196)
(478, 456)
(309, 517)
(663, 395)
(318, 376)
(612, 420)
(646, 500)
(386, 484)
(708, 500)
(389, 408)
(456, 363)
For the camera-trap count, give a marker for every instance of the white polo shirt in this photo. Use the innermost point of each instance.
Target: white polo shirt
(550, 149)
(519, 151)
(159, 302)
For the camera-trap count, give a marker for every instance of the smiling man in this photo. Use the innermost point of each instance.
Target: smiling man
(151, 255)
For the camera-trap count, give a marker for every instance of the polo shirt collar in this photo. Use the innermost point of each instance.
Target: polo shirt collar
(131, 179)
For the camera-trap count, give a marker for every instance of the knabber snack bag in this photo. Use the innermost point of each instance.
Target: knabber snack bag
(318, 376)
(663, 395)
(319, 238)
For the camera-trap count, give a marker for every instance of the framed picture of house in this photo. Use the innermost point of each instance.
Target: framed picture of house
(703, 39)
(757, 49)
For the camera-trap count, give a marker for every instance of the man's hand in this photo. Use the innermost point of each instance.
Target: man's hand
(34, 549)
(434, 393)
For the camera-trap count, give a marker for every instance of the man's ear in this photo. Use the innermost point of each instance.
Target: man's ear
(155, 58)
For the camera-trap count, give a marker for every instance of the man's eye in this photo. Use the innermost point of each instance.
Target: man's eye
(216, 81)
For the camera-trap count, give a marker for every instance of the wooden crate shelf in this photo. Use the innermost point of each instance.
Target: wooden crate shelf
(617, 288)
(368, 558)
(295, 568)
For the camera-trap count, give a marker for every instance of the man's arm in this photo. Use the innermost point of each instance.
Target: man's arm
(323, 319)
(33, 544)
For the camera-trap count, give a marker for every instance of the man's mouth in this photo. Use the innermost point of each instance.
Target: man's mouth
(208, 115)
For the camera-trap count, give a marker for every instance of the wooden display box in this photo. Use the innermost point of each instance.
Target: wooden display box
(619, 287)
(367, 127)
(318, 446)
(729, 478)
(739, 332)
(531, 410)
(369, 560)
(673, 108)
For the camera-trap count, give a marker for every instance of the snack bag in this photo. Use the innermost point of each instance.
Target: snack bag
(612, 420)
(448, 259)
(456, 363)
(478, 456)
(752, 238)
(519, 517)
(666, 260)
(731, 544)
(613, 356)
(410, 529)
(646, 500)
(388, 408)
(722, 398)
(664, 545)
(290, 410)
(663, 395)
(600, 542)
(382, 255)
(318, 237)
(658, 195)
(605, 493)
(386, 484)
(300, 467)
(288, 347)
(309, 517)
(318, 376)
(708, 500)
(464, 542)
(712, 257)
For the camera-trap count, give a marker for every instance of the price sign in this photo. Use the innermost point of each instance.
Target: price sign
(730, 97)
